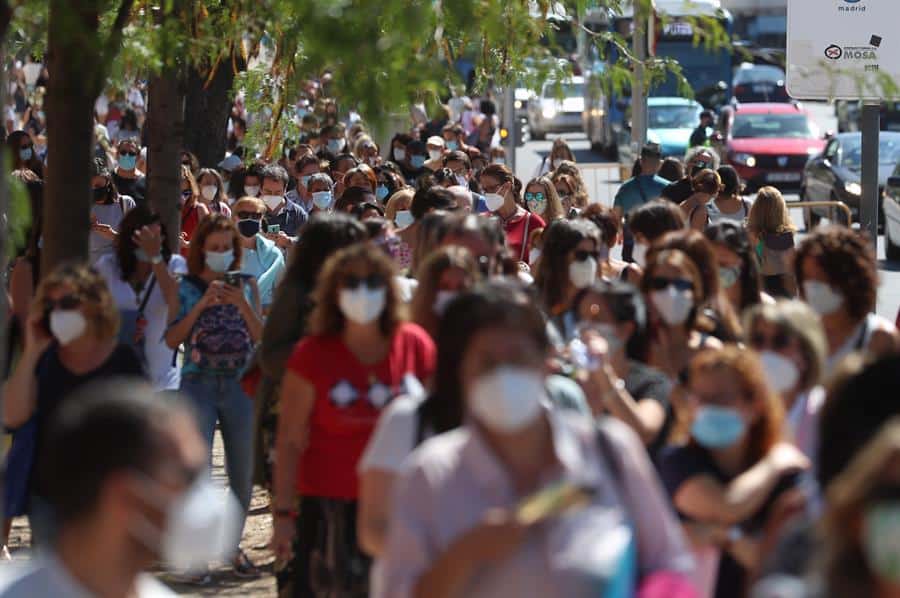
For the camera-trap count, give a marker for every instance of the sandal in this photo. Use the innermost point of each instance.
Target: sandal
(243, 567)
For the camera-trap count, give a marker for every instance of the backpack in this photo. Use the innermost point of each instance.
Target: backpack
(220, 339)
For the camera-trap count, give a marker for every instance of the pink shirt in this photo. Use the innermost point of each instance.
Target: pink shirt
(452, 479)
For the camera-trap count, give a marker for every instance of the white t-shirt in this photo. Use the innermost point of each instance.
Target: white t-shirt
(162, 374)
(111, 214)
(47, 576)
(394, 437)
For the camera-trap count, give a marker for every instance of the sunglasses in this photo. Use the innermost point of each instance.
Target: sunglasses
(582, 254)
(249, 215)
(67, 302)
(778, 341)
(373, 281)
(128, 153)
(539, 196)
(659, 283)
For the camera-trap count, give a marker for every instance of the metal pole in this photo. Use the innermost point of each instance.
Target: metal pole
(509, 118)
(638, 89)
(868, 207)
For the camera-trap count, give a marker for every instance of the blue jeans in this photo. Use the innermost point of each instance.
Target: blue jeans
(221, 399)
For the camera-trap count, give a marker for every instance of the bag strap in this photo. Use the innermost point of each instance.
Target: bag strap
(147, 294)
(525, 237)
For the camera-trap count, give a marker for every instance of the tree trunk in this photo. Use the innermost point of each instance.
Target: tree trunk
(207, 110)
(73, 62)
(165, 133)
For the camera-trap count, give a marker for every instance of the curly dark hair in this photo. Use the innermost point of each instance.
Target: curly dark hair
(847, 260)
(606, 221)
(133, 221)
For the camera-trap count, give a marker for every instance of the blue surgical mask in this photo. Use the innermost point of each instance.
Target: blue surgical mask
(127, 162)
(335, 145)
(417, 161)
(219, 262)
(381, 192)
(717, 427)
(322, 199)
(25, 154)
(452, 146)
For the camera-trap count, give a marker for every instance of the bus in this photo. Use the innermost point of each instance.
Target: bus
(708, 72)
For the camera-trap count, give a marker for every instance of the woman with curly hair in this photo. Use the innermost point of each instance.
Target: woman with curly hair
(838, 278)
(610, 226)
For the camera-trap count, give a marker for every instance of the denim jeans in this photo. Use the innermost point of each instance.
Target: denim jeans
(221, 399)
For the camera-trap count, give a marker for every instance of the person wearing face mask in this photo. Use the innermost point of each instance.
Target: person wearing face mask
(21, 149)
(128, 179)
(261, 260)
(726, 479)
(231, 168)
(672, 287)
(454, 137)
(366, 151)
(304, 168)
(338, 167)
(212, 191)
(541, 199)
(648, 223)
(837, 275)
(141, 279)
(252, 183)
(739, 277)
(456, 524)
(460, 165)
(418, 154)
(192, 209)
(321, 192)
(71, 338)
(443, 275)
(388, 182)
(332, 138)
(436, 148)
(125, 475)
(558, 152)
(610, 226)
(618, 383)
(218, 322)
(568, 263)
(792, 347)
(696, 160)
(397, 210)
(640, 189)
(397, 153)
(284, 219)
(500, 197)
(107, 211)
(338, 380)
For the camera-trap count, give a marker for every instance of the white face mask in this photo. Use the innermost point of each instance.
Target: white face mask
(639, 254)
(362, 304)
(673, 305)
(209, 192)
(583, 273)
(781, 373)
(400, 154)
(442, 299)
(272, 201)
(67, 325)
(494, 201)
(435, 154)
(201, 526)
(507, 399)
(822, 297)
(403, 218)
(252, 190)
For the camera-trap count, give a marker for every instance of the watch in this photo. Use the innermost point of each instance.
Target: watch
(156, 259)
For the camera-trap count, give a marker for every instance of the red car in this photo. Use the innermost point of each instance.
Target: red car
(769, 144)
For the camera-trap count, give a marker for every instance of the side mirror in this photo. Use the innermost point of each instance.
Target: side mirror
(894, 181)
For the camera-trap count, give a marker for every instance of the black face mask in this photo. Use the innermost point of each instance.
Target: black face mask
(100, 194)
(248, 228)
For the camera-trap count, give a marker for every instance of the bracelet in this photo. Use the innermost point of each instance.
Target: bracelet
(289, 513)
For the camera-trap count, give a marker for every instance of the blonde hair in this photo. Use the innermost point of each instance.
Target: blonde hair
(247, 201)
(96, 301)
(400, 200)
(554, 209)
(769, 213)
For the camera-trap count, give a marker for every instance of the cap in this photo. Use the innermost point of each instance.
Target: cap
(651, 150)
(230, 163)
(435, 140)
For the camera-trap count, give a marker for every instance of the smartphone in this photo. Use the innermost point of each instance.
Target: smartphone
(233, 278)
(552, 500)
(274, 229)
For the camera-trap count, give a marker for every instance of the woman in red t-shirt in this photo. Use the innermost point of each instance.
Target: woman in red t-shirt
(192, 209)
(358, 357)
(500, 196)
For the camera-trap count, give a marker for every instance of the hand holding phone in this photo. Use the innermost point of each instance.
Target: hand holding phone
(233, 278)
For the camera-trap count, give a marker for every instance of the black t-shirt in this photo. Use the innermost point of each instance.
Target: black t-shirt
(136, 188)
(645, 382)
(679, 464)
(678, 191)
(56, 383)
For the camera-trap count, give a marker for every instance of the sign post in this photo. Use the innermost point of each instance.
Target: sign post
(845, 49)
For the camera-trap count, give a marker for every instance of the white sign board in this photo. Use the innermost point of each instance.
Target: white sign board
(841, 48)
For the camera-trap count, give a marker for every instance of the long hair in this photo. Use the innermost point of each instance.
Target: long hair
(214, 223)
(133, 221)
(429, 276)
(554, 209)
(560, 238)
(96, 301)
(769, 214)
(733, 237)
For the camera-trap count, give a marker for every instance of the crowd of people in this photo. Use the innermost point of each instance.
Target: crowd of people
(445, 378)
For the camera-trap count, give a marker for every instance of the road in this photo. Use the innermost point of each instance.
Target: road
(602, 179)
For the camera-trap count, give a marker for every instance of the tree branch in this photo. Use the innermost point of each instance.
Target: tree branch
(114, 42)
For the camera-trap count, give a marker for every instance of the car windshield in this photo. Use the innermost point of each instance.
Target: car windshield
(851, 152)
(674, 117)
(569, 90)
(794, 126)
(759, 74)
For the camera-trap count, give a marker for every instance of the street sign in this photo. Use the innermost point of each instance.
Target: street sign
(838, 49)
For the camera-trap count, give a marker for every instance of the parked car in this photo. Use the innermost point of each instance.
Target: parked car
(768, 144)
(848, 115)
(891, 208)
(670, 122)
(550, 112)
(834, 175)
(759, 83)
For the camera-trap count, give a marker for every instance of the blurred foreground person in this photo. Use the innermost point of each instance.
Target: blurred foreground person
(125, 475)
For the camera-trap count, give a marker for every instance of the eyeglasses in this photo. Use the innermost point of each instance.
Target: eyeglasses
(539, 196)
(66, 302)
(780, 340)
(582, 254)
(127, 153)
(249, 215)
(659, 283)
(373, 281)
